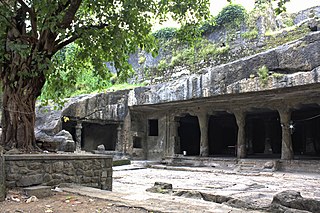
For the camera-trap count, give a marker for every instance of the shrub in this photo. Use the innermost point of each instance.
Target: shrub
(166, 33)
(232, 15)
(263, 73)
(252, 34)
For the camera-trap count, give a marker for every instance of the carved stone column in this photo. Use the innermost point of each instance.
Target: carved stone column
(119, 143)
(241, 140)
(203, 118)
(174, 140)
(78, 135)
(286, 150)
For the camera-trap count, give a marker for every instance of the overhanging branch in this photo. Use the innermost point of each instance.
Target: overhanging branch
(77, 34)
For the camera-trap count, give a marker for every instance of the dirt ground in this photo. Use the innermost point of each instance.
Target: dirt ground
(62, 202)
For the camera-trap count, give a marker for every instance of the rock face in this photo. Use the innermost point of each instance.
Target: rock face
(101, 107)
(62, 141)
(160, 187)
(291, 201)
(241, 76)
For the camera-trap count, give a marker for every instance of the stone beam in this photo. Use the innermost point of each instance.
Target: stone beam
(286, 150)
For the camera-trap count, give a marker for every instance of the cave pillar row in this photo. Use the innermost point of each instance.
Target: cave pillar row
(78, 128)
(203, 119)
(241, 139)
(286, 149)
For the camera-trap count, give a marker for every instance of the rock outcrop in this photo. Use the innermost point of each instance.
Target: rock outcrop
(296, 64)
(292, 201)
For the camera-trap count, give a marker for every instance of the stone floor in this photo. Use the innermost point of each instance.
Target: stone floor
(130, 184)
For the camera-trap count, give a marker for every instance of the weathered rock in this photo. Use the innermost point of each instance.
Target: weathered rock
(293, 200)
(160, 187)
(38, 191)
(30, 180)
(67, 143)
(62, 141)
(101, 147)
(235, 77)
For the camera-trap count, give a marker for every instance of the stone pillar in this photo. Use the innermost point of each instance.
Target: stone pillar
(268, 138)
(78, 136)
(119, 139)
(174, 141)
(286, 150)
(204, 143)
(2, 177)
(241, 140)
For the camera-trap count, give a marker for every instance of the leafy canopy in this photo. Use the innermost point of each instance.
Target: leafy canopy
(102, 30)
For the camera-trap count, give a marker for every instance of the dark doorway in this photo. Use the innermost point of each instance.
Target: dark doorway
(189, 133)
(70, 126)
(263, 133)
(222, 134)
(305, 131)
(96, 134)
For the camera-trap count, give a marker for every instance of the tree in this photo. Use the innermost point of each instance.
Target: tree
(33, 31)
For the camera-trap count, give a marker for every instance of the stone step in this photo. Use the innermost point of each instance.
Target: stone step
(38, 191)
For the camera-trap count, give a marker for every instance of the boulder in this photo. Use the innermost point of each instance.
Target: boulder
(160, 187)
(101, 148)
(291, 201)
(62, 141)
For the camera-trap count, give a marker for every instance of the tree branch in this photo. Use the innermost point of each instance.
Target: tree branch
(33, 18)
(64, 43)
(77, 34)
(70, 13)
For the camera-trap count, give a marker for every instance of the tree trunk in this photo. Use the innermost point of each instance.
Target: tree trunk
(18, 115)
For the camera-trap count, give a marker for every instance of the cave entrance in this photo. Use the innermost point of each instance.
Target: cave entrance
(305, 131)
(189, 133)
(263, 134)
(95, 134)
(222, 134)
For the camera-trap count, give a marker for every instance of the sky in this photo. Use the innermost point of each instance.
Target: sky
(216, 5)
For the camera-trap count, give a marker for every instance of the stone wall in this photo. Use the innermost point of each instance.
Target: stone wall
(52, 170)
(2, 178)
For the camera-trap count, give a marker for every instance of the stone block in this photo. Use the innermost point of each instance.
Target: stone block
(30, 180)
(58, 166)
(38, 191)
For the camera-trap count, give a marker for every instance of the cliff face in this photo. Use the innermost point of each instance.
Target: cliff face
(265, 32)
(293, 64)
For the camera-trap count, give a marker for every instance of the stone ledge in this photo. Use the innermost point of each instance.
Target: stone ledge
(55, 157)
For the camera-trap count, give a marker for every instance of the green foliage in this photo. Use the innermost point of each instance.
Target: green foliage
(121, 162)
(103, 31)
(277, 75)
(232, 16)
(208, 26)
(165, 33)
(263, 73)
(142, 59)
(281, 6)
(288, 21)
(252, 34)
(162, 65)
